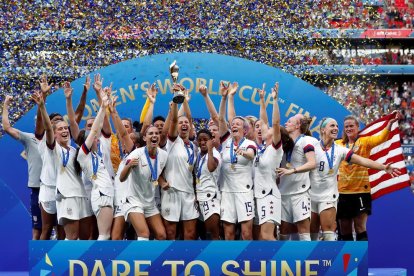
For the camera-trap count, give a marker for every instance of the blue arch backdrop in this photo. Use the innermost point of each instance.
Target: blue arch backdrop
(388, 229)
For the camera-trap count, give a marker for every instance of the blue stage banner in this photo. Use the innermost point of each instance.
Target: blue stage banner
(197, 258)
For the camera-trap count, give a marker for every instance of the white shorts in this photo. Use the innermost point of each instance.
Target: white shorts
(134, 205)
(177, 205)
(99, 200)
(208, 208)
(296, 207)
(318, 207)
(49, 207)
(47, 198)
(268, 209)
(118, 210)
(237, 207)
(73, 208)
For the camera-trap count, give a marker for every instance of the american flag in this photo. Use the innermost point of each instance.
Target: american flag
(390, 151)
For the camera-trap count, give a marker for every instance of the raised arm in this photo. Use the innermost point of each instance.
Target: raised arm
(222, 110)
(98, 122)
(231, 111)
(275, 114)
(166, 128)
(210, 105)
(187, 110)
(263, 113)
(82, 102)
(126, 140)
(45, 88)
(74, 127)
(5, 119)
(39, 100)
(97, 86)
(151, 97)
(106, 128)
(173, 130)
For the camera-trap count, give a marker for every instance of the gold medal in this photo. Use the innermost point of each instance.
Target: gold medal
(155, 183)
(62, 169)
(198, 180)
(233, 167)
(190, 167)
(331, 171)
(288, 165)
(94, 177)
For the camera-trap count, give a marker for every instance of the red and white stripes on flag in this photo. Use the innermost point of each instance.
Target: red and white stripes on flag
(390, 151)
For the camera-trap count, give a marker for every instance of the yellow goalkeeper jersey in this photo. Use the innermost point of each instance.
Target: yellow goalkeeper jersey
(353, 178)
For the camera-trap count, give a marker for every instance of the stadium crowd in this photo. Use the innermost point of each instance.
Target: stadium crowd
(137, 18)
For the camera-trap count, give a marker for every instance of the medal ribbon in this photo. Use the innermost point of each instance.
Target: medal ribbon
(200, 166)
(233, 155)
(65, 157)
(190, 159)
(95, 164)
(330, 159)
(152, 169)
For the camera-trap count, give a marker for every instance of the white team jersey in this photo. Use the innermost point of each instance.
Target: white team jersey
(177, 171)
(103, 181)
(298, 182)
(265, 171)
(68, 183)
(324, 186)
(139, 181)
(105, 149)
(120, 188)
(34, 161)
(49, 166)
(239, 179)
(208, 180)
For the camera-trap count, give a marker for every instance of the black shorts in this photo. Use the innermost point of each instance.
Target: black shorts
(351, 205)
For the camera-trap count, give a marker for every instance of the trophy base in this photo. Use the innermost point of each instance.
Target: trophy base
(178, 99)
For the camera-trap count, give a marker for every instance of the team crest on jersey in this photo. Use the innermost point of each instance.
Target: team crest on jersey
(167, 211)
(69, 210)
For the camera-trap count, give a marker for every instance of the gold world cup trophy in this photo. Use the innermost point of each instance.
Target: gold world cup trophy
(178, 94)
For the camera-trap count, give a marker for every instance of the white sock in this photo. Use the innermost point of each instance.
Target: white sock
(314, 236)
(103, 237)
(328, 235)
(142, 239)
(305, 237)
(284, 237)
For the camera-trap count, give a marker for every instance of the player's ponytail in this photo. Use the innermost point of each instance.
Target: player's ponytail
(287, 142)
(81, 139)
(305, 125)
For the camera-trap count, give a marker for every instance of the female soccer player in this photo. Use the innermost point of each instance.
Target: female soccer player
(207, 172)
(142, 170)
(268, 158)
(324, 192)
(237, 199)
